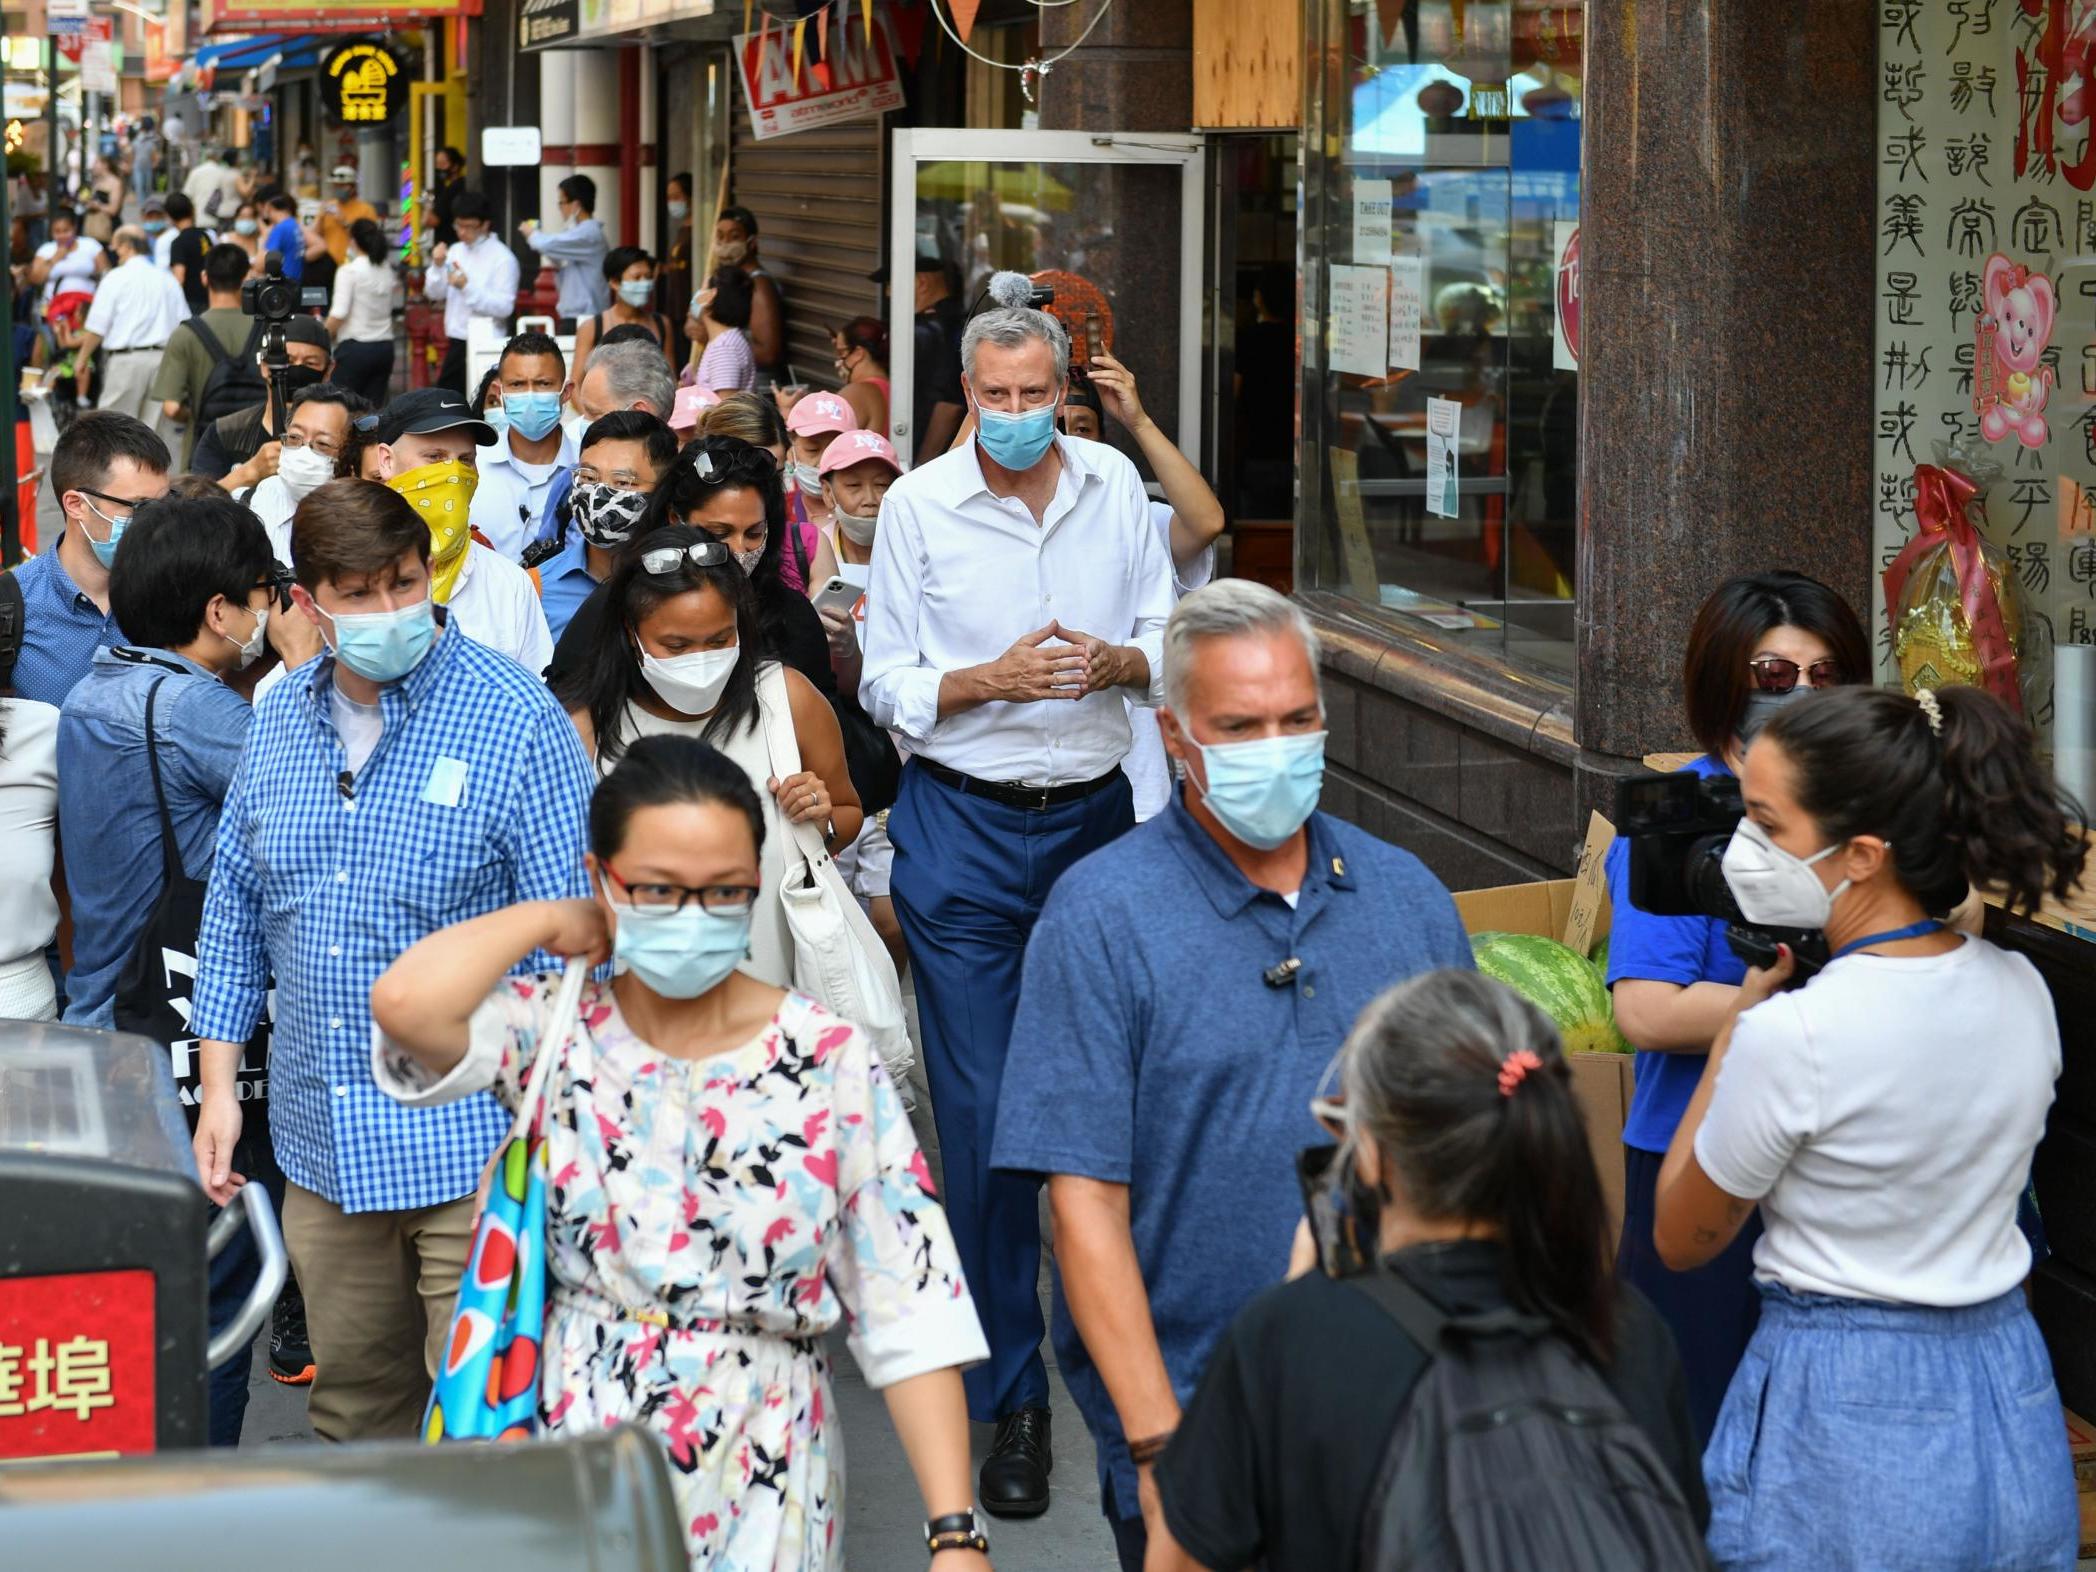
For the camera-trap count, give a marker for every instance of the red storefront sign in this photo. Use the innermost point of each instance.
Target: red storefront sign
(76, 1364)
(856, 78)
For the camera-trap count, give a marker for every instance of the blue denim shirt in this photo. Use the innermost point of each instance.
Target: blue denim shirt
(1149, 1051)
(107, 820)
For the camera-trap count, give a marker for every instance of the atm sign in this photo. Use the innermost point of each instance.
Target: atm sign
(76, 1365)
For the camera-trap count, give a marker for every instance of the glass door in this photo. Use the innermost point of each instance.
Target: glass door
(1111, 222)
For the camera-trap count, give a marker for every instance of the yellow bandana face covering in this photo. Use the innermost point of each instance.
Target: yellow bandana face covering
(442, 494)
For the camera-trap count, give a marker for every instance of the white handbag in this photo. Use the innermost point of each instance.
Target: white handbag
(838, 960)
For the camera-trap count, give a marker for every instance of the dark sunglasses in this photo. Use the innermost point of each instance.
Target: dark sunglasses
(1774, 674)
(701, 554)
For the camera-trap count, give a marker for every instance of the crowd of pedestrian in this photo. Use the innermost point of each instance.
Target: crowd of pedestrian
(433, 711)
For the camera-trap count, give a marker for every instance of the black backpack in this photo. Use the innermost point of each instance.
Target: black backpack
(233, 384)
(1513, 1452)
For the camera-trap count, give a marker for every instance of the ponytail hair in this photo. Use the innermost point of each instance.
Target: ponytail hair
(1462, 1086)
(1960, 796)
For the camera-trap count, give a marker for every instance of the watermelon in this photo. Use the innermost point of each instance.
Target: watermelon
(1600, 956)
(1559, 981)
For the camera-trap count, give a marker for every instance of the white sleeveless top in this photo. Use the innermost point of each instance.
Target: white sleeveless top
(771, 944)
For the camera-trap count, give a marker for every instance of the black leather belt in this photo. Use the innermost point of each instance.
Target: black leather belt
(139, 349)
(1011, 793)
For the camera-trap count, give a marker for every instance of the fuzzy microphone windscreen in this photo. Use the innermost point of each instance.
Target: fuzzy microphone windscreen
(1010, 289)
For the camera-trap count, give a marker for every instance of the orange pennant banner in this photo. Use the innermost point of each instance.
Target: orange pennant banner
(963, 16)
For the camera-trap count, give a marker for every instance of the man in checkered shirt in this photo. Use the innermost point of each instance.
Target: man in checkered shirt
(405, 780)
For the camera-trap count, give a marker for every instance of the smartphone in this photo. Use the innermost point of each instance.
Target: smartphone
(838, 595)
(1332, 1218)
(1094, 337)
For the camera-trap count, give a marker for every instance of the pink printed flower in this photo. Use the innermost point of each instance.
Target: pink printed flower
(822, 1166)
(781, 1229)
(715, 1121)
(678, 1242)
(705, 1523)
(921, 1171)
(830, 1041)
(809, 1289)
(811, 1131)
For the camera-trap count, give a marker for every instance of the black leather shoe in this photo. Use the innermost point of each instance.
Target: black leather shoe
(1014, 1480)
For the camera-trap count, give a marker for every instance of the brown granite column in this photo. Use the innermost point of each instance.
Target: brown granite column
(1727, 242)
(1134, 71)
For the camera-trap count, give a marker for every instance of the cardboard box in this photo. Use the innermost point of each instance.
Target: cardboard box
(2081, 1445)
(1575, 912)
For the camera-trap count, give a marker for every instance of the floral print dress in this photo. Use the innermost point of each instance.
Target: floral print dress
(708, 1221)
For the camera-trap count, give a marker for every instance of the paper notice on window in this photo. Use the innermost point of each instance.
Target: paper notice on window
(1357, 551)
(1359, 328)
(1444, 418)
(1405, 285)
(1371, 222)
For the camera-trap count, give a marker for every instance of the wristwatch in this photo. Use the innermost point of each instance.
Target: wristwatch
(956, 1531)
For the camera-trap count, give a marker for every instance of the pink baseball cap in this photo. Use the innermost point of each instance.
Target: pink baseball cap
(859, 447)
(818, 413)
(691, 403)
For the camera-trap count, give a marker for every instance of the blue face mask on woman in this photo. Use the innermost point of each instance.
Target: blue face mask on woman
(1263, 790)
(679, 954)
(1016, 441)
(532, 415)
(384, 646)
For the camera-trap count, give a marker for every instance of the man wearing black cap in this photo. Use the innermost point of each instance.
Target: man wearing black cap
(937, 404)
(428, 446)
(238, 450)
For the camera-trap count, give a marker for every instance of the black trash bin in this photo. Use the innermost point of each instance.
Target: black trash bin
(104, 1255)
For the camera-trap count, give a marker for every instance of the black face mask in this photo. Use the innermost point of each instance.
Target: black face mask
(297, 379)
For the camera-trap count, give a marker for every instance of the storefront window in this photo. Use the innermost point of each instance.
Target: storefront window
(1986, 277)
(1440, 457)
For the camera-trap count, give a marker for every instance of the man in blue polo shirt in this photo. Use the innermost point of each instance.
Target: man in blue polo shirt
(1184, 992)
(623, 457)
(104, 468)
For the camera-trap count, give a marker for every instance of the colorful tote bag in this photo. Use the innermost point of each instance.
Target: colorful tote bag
(488, 1386)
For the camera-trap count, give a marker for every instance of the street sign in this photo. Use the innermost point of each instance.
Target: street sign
(71, 44)
(857, 78)
(508, 146)
(98, 66)
(542, 23)
(64, 17)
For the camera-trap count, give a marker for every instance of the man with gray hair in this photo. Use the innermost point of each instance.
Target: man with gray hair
(1018, 591)
(133, 312)
(1185, 990)
(620, 376)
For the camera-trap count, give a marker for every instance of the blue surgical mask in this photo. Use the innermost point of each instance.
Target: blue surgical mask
(679, 954)
(244, 226)
(384, 646)
(808, 477)
(679, 212)
(155, 230)
(532, 415)
(105, 550)
(1016, 441)
(496, 415)
(637, 291)
(1263, 790)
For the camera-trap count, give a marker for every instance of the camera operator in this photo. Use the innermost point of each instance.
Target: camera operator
(1759, 643)
(1883, 1117)
(240, 450)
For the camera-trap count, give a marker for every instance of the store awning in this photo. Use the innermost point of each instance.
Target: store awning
(327, 16)
(299, 50)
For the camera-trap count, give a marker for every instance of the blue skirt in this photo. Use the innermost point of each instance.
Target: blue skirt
(1864, 1435)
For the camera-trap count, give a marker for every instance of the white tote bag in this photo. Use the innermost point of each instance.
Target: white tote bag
(838, 960)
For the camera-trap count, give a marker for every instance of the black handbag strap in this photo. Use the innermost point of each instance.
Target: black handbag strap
(170, 855)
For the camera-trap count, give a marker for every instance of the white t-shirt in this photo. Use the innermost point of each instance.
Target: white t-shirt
(358, 725)
(1147, 767)
(72, 274)
(1884, 1116)
(495, 604)
(364, 301)
(28, 827)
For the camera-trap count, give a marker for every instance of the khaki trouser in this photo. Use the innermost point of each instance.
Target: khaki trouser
(127, 382)
(379, 1287)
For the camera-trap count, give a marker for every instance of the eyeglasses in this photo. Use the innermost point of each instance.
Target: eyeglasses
(128, 504)
(723, 900)
(326, 448)
(1774, 674)
(701, 554)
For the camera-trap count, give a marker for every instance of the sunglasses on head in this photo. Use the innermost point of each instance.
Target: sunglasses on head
(1774, 674)
(700, 554)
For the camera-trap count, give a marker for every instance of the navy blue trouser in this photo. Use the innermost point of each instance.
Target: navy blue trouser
(969, 881)
(233, 1276)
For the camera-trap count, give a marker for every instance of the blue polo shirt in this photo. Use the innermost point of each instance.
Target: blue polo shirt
(61, 630)
(1680, 950)
(565, 583)
(288, 241)
(1148, 1051)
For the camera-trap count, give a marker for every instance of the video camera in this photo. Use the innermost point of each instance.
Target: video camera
(1678, 827)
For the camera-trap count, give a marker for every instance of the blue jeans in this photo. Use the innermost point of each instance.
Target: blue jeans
(1860, 1434)
(233, 1277)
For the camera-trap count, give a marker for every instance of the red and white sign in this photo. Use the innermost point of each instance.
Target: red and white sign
(858, 78)
(101, 27)
(1565, 353)
(76, 1365)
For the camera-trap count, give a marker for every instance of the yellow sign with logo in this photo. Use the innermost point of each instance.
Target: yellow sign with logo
(361, 83)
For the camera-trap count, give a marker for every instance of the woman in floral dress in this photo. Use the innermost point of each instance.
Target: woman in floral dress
(731, 1171)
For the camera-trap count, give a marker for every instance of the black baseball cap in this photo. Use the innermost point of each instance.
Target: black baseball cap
(308, 330)
(425, 410)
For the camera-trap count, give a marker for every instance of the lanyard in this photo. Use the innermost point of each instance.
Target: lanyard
(1913, 930)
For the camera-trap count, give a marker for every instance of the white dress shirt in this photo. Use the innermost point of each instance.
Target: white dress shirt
(510, 500)
(364, 301)
(496, 604)
(960, 574)
(28, 836)
(135, 306)
(490, 289)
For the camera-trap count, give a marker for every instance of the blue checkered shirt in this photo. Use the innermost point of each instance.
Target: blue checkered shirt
(61, 630)
(325, 889)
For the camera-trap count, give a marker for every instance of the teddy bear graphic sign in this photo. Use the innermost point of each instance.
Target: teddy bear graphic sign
(2011, 384)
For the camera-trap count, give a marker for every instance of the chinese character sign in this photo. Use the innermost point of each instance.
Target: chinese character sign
(76, 1365)
(1985, 307)
(361, 83)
